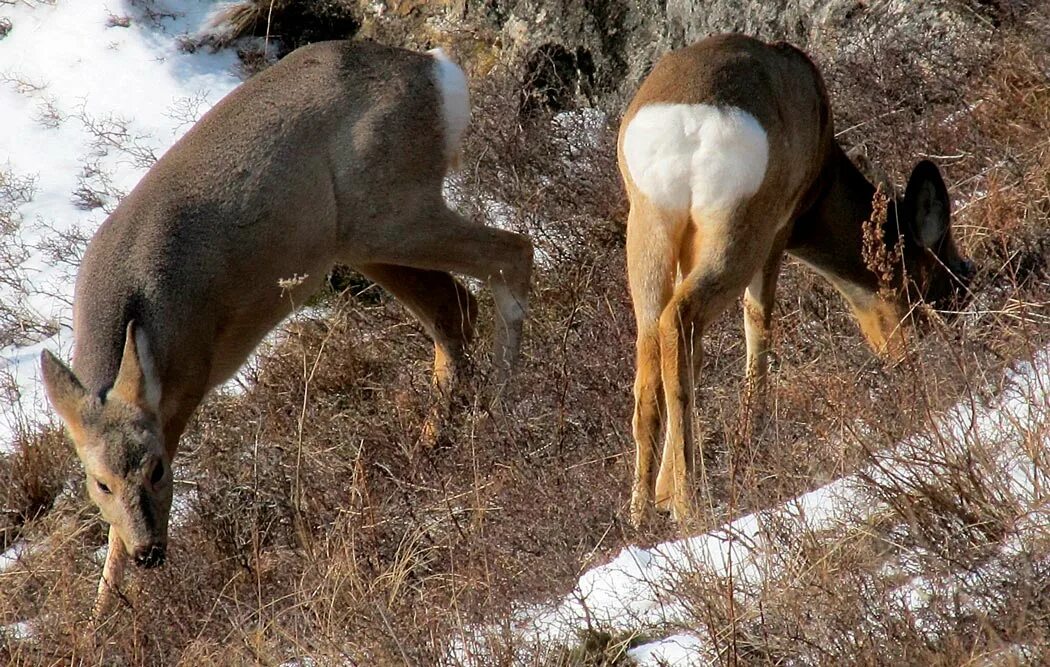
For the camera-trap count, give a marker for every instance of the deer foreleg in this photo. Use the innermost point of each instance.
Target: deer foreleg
(112, 575)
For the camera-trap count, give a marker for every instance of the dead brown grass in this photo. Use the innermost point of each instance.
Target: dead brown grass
(288, 23)
(311, 522)
(33, 475)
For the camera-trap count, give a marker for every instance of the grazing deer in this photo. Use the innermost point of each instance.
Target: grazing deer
(729, 159)
(335, 154)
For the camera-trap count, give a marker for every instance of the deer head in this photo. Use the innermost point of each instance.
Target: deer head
(119, 440)
(937, 272)
(931, 268)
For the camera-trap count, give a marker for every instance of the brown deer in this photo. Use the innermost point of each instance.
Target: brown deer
(729, 158)
(335, 154)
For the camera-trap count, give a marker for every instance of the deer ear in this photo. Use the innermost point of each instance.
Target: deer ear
(136, 381)
(64, 390)
(929, 208)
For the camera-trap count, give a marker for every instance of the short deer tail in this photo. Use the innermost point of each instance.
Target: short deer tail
(451, 83)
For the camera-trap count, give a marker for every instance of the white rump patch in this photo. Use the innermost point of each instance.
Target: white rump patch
(455, 100)
(695, 156)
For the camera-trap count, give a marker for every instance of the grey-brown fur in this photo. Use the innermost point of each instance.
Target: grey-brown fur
(335, 154)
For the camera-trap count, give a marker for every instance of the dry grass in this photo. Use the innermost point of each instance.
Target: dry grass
(311, 522)
(289, 23)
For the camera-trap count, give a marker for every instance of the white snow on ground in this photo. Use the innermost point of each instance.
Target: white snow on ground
(638, 590)
(21, 630)
(21, 398)
(674, 651)
(12, 555)
(95, 83)
(66, 68)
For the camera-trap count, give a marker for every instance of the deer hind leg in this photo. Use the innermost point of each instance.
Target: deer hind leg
(651, 260)
(442, 240)
(720, 264)
(447, 310)
(759, 298)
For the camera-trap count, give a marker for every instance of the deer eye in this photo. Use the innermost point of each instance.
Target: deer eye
(157, 474)
(103, 488)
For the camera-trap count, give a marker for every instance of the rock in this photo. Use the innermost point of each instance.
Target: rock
(596, 52)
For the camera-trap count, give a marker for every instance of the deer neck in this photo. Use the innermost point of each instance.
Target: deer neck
(829, 236)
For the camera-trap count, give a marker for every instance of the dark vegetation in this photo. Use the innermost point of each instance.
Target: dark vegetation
(311, 521)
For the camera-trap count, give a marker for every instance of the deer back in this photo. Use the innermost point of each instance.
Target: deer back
(294, 168)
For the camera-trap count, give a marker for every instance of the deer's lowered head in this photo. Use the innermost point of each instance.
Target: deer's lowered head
(937, 272)
(118, 438)
(920, 262)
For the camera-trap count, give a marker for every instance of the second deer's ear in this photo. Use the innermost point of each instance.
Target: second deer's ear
(137, 381)
(64, 390)
(929, 208)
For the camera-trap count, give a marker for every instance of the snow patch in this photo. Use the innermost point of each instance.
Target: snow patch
(89, 99)
(675, 651)
(12, 556)
(638, 591)
(17, 631)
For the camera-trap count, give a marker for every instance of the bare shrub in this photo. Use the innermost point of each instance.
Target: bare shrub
(153, 12)
(311, 522)
(31, 477)
(20, 83)
(14, 192)
(16, 325)
(188, 110)
(291, 22)
(109, 134)
(113, 133)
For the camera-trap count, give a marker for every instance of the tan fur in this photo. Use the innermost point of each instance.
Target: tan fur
(335, 154)
(883, 326)
(812, 203)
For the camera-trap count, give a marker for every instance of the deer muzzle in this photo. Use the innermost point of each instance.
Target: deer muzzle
(150, 556)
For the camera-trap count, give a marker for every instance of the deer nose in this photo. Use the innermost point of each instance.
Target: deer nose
(150, 556)
(964, 271)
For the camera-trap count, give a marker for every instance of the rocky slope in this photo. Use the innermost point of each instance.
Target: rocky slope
(595, 52)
